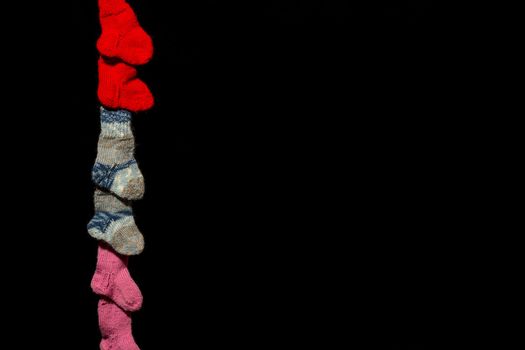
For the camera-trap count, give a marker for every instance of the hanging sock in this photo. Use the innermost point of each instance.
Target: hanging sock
(119, 87)
(115, 327)
(122, 36)
(114, 223)
(116, 169)
(113, 281)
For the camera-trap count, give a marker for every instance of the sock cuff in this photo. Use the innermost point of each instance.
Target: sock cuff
(115, 116)
(107, 202)
(109, 259)
(111, 7)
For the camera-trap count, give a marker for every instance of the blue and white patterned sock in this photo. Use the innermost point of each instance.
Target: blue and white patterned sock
(113, 223)
(116, 169)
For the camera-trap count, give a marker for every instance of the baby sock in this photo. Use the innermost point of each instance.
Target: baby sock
(114, 223)
(112, 280)
(116, 169)
(115, 327)
(119, 87)
(122, 36)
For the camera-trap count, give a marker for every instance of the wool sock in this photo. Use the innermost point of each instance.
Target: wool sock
(112, 280)
(115, 327)
(114, 223)
(116, 169)
(122, 36)
(119, 87)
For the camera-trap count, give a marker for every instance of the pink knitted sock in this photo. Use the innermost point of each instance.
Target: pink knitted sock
(115, 326)
(112, 280)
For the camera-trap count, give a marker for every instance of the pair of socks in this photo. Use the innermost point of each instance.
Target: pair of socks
(119, 181)
(122, 45)
(119, 297)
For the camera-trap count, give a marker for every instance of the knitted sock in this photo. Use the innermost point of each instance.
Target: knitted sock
(112, 280)
(116, 169)
(119, 87)
(115, 327)
(114, 223)
(122, 36)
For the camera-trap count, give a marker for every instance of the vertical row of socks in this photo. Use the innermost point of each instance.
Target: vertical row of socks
(117, 177)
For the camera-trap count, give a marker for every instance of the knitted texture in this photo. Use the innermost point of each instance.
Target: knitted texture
(122, 36)
(119, 87)
(111, 7)
(113, 223)
(115, 327)
(122, 45)
(113, 281)
(116, 169)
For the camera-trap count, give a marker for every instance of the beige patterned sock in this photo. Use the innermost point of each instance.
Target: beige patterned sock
(116, 169)
(114, 223)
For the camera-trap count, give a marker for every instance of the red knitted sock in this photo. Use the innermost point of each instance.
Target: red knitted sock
(119, 87)
(122, 36)
(115, 326)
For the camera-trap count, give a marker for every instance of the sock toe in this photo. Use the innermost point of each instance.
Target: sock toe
(127, 292)
(134, 189)
(138, 96)
(136, 47)
(131, 305)
(128, 301)
(128, 240)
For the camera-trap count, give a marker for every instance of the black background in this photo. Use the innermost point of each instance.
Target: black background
(289, 163)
